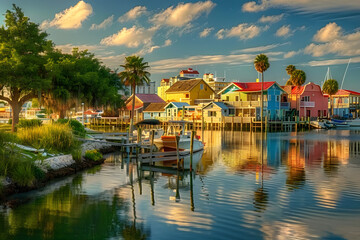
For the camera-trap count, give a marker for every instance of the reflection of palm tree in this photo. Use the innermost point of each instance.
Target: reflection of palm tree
(261, 199)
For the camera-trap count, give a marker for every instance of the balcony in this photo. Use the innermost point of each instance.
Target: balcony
(284, 105)
(247, 104)
(307, 104)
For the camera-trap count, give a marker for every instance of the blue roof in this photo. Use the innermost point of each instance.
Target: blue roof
(178, 104)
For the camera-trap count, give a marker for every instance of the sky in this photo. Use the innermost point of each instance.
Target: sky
(218, 36)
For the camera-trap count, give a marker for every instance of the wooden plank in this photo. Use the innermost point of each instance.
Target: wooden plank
(163, 159)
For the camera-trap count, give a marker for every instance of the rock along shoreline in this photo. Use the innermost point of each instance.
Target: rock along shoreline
(56, 167)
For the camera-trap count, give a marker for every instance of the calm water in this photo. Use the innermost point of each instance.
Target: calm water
(303, 186)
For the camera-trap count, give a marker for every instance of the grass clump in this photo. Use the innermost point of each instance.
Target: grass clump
(93, 155)
(77, 128)
(53, 137)
(77, 154)
(23, 174)
(28, 123)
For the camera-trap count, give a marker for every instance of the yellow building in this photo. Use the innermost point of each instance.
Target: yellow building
(188, 91)
(164, 86)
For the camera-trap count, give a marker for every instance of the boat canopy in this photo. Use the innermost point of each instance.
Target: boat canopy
(148, 122)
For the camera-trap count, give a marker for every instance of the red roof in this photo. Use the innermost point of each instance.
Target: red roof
(189, 71)
(253, 86)
(165, 80)
(149, 98)
(297, 90)
(346, 92)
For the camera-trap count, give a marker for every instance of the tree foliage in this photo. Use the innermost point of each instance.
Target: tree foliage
(22, 57)
(330, 86)
(290, 69)
(298, 77)
(79, 77)
(261, 63)
(135, 73)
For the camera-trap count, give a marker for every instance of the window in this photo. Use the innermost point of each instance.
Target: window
(212, 114)
(201, 86)
(237, 98)
(187, 95)
(305, 99)
(278, 98)
(227, 98)
(269, 97)
(159, 114)
(151, 114)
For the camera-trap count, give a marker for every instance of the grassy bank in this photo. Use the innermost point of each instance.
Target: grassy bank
(18, 164)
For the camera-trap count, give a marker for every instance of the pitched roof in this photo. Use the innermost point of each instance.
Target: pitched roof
(165, 80)
(219, 104)
(297, 90)
(346, 92)
(156, 107)
(149, 98)
(183, 85)
(253, 86)
(178, 104)
(189, 71)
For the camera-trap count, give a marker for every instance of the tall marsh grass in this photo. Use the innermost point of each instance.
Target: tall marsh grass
(53, 137)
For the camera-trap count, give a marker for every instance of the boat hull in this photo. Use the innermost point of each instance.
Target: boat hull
(169, 143)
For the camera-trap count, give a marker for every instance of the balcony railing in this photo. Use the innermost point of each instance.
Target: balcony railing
(285, 105)
(246, 104)
(307, 104)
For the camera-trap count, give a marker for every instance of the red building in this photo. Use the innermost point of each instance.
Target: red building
(308, 99)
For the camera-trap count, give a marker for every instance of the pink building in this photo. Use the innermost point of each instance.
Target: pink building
(309, 99)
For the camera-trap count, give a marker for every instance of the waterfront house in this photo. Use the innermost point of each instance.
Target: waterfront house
(155, 111)
(245, 97)
(182, 111)
(309, 100)
(345, 103)
(215, 111)
(216, 83)
(141, 103)
(188, 91)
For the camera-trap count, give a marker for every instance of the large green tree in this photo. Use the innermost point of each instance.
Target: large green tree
(22, 61)
(330, 87)
(135, 73)
(78, 78)
(298, 77)
(261, 64)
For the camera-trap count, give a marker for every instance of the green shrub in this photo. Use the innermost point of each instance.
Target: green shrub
(28, 123)
(23, 174)
(77, 128)
(53, 137)
(93, 155)
(77, 154)
(39, 174)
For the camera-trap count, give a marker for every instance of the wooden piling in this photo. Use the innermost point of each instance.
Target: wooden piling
(152, 145)
(191, 149)
(177, 151)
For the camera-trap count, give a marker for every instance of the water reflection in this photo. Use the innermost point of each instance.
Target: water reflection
(243, 184)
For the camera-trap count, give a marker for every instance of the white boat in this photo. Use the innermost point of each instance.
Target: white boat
(354, 122)
(318, 124)
(177, 128)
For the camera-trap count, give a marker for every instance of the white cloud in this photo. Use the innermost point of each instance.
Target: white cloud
(113, 61)
(130, 37)
(206, 32)
(342, 45)
(259, 48)
(328, 33)
(133, 14)
(254, 7)
(182, 14)
(242, 31)
(304, 5)
(284, 31)
(104, 24)
(291, 54)
(173, 64)
(271, 19)
(67, 48)
(168, 42)
(70, 18)
(330, 62)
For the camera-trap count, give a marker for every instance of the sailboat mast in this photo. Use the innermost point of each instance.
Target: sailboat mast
(345, 74)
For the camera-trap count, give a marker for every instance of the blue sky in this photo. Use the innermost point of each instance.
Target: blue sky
(221, 37)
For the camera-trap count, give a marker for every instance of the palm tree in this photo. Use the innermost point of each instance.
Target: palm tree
(261, 64)
(330, 87)
(290, 69)
(135, 73)
(298, 78)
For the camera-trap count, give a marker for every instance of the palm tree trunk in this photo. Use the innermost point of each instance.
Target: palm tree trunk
(262, 100)
(132, 114)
